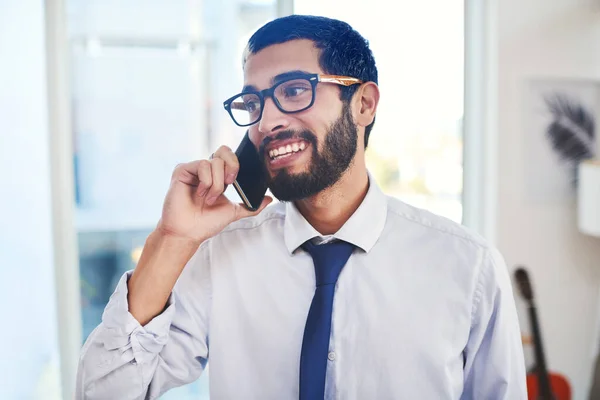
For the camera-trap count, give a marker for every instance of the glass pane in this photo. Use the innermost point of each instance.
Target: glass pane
(415, 148)
(30, 361)
(148, 81)
(294, 95)
(245, 109)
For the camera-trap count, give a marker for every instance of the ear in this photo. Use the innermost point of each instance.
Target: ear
(366, 101)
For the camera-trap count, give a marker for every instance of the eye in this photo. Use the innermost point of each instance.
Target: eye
(292, 91)
(251, 105)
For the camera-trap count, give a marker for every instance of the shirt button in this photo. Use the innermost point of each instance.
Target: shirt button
(331, 356)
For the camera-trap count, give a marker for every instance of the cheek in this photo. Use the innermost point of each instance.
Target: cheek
(328, 101)
(320, 118)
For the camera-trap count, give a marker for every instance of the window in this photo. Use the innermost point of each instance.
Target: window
(148, 79)
(147, 86)
(415, 149)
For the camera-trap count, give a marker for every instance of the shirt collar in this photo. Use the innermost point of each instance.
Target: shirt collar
(362, 229)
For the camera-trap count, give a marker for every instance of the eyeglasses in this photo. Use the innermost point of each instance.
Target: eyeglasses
(292, 95)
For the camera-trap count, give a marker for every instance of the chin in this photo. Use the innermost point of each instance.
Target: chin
(296, 169)
(291, 170)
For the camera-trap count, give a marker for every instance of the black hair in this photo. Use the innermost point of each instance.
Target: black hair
(343, 50)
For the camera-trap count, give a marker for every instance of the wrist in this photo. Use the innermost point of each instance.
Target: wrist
(167, 237)
(167, 252)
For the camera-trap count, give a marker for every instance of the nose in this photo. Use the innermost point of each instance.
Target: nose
(272, 120)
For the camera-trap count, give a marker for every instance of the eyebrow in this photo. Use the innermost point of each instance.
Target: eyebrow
(278, 78)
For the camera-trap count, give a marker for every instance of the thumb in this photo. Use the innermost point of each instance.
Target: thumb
(243, 212)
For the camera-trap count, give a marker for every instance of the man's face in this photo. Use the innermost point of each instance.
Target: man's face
(322, 139)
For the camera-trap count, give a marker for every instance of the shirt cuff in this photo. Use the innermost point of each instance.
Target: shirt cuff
(122, 331)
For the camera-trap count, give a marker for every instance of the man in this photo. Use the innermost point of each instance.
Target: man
(337, 292)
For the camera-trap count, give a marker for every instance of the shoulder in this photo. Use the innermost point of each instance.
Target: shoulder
(476, 262)
(402, 215)
(271, 216)
(442, 239)
(246, 235)
(273, 212)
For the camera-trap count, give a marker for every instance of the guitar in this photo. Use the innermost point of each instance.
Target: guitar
(541, 384)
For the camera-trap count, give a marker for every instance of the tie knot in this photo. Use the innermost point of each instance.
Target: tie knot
(329, 259)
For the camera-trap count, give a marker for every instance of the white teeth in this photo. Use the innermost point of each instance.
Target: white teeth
(287, 150)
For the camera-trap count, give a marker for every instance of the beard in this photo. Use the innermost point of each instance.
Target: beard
(326, 166)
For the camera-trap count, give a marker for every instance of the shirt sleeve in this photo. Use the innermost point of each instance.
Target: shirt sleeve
(494, 362)
(122, 359)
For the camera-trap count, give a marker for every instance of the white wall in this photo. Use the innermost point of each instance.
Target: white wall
(547, 39)
(29, 362)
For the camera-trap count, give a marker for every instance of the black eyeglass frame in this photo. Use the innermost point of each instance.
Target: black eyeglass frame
(314, 79)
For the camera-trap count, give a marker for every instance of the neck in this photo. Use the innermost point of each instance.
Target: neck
(329, 210)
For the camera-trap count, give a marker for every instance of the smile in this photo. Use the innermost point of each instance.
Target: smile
(286, 151)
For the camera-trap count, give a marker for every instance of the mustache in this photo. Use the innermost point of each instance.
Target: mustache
(289, 134)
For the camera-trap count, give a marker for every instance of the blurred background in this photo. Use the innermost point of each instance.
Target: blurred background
(100, 99)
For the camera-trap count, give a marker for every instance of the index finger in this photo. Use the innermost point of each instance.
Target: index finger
(232, 164)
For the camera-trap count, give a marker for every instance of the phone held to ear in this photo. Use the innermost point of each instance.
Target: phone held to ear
(251, 183)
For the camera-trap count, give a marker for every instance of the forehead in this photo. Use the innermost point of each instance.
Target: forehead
(261, 67)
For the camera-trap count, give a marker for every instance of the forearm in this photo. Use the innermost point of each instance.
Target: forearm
(132, 372)
(160, 265)
(123, 359)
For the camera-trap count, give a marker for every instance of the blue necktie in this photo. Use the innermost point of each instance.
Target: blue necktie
(329, 259)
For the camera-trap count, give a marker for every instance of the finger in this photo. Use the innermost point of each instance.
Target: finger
(243, 212)
(186, 173)
(218, 184)
(232, 164)
(203, 171)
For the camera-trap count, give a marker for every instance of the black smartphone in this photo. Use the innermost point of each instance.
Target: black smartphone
(251, 182)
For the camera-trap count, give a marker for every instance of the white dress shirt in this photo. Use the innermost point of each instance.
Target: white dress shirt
(423, 310)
